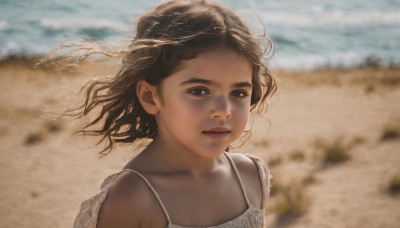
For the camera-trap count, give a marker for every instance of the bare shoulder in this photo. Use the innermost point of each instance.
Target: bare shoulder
(128, 200)
(249, 173)
(244, 163)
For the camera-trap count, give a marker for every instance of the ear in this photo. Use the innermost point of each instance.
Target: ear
(148, 97)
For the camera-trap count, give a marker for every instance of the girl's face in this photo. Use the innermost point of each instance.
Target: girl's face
(205, 102)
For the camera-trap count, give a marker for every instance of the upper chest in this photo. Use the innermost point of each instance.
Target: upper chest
(200, 202)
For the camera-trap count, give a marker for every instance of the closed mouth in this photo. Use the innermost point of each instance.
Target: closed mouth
(217, 131)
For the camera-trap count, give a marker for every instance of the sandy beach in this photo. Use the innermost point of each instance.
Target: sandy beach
(46, 171)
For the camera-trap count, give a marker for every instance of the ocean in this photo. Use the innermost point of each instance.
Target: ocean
(307, 34)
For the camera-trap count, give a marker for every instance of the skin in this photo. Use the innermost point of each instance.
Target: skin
(203, 107)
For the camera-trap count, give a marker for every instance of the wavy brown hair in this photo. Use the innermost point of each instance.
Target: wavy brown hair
(171, 32)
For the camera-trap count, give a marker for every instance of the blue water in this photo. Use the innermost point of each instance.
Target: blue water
(306, 33)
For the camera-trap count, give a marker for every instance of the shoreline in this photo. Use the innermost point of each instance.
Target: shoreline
(370, 62)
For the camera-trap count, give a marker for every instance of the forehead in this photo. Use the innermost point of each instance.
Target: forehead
(221, 65)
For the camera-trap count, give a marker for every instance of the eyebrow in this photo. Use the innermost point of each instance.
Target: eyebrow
(209, 82)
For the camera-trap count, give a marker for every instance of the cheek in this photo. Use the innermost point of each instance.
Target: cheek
(241, 115)
(184, 110)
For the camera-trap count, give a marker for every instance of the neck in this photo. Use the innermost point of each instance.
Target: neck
(177, 159)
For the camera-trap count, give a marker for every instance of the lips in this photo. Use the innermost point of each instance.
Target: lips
(217, 132)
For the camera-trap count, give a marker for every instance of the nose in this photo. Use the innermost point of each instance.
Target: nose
(222, 109)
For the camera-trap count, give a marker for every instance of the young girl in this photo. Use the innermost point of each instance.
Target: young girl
(189, 81)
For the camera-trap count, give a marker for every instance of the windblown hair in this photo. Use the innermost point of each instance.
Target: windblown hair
(174, 31)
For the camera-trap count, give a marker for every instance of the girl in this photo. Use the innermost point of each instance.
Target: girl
(190, 79)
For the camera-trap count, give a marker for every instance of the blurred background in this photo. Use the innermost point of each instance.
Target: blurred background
(331, 135)
(307, 33)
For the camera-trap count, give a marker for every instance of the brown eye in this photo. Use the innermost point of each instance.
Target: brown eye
(239, 93)
(199, 92)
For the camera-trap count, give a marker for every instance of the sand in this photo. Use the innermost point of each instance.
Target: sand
(46, 172)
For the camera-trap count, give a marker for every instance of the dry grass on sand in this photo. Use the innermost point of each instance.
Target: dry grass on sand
(46, 172)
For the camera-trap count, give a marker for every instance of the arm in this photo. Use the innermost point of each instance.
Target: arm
(123, 203)
(119, 210)
(128, 205)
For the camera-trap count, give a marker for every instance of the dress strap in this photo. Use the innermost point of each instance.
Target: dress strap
(238, 177)
(264, 176)
(154, 192)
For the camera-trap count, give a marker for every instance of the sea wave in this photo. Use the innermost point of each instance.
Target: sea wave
(332, 18)
(4, 25)
(68, 23)
(98, 29)
(339, 59)
(9, 48)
